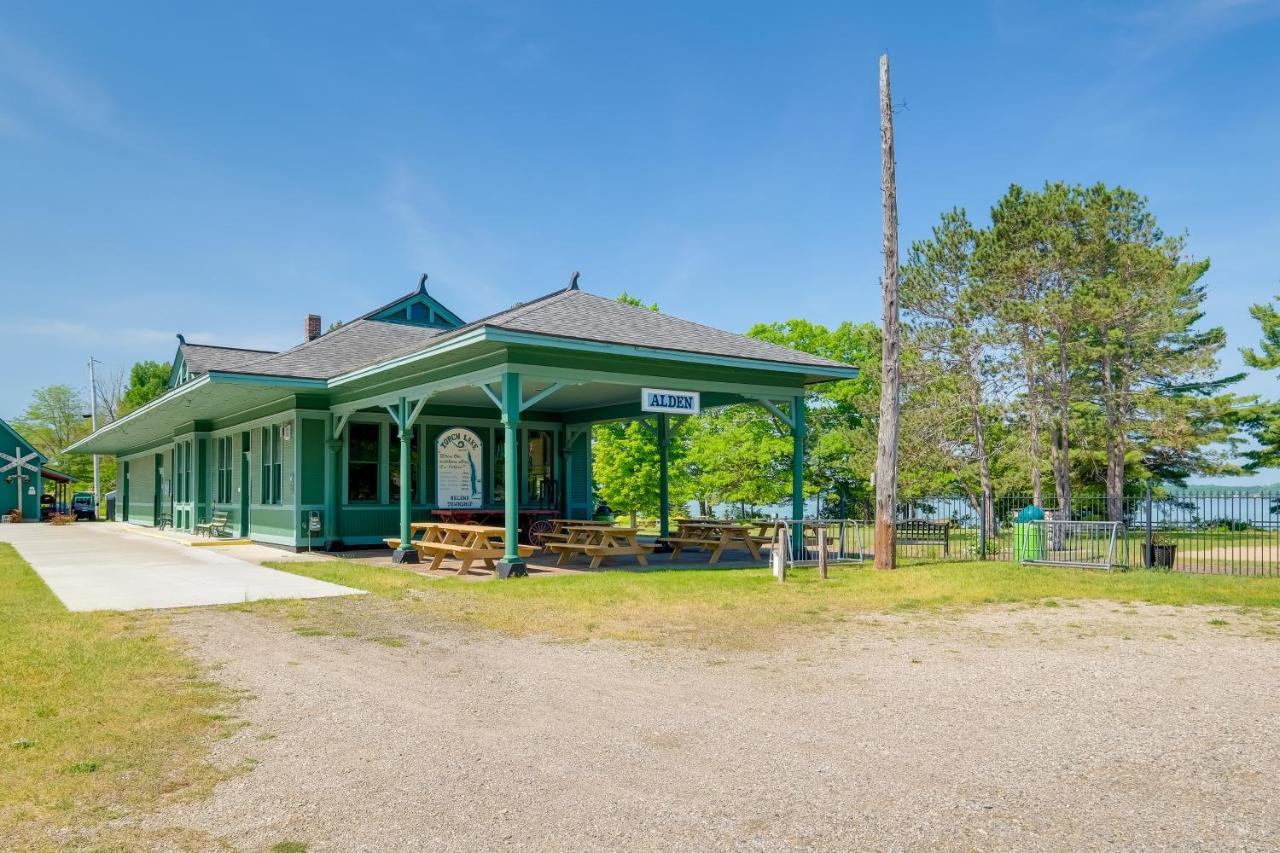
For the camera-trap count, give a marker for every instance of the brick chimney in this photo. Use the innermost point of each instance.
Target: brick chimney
(313, 326)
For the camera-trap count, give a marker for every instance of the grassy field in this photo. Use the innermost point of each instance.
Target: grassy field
(99, 715)
(745, 607)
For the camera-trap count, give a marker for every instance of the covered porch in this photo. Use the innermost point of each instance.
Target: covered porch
(538, 395)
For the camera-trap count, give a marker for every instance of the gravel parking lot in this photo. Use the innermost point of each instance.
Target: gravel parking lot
(1076, 727)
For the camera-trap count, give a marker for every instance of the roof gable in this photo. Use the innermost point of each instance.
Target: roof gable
(418, 308)
(10, 436)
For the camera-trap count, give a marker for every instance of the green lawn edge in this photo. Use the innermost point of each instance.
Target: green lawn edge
(101, 714)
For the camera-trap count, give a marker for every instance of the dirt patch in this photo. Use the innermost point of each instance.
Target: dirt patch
(1069, 727)
(1247, 560)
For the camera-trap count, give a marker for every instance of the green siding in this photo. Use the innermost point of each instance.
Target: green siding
(311, 432)
(17, 494)
(142, 477)
(370, 523)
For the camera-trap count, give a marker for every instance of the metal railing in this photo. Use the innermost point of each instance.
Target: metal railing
(823, 542)
(1058, 542)
(1205, 532)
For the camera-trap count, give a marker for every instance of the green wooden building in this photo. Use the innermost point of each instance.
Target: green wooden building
(23, 475)
(409, 409)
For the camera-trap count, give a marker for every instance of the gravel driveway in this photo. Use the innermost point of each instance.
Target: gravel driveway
(1090, 727)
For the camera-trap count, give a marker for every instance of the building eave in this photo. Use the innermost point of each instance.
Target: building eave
(492, 334)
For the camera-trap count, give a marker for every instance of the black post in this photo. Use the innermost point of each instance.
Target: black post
(982, 528)
(1147, 558)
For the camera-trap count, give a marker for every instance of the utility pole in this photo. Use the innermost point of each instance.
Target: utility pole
(93, 415)
(886, 475)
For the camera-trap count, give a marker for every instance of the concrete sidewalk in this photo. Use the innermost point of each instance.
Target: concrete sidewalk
(94, 566)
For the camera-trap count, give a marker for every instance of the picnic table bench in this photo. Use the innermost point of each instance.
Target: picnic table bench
(714, 536)
(434, 541)
(600, 541)
(917, 531)
(217, 525)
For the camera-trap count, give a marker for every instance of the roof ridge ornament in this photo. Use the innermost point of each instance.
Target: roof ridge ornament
(182, 342)
(422, 284)
(573, 281)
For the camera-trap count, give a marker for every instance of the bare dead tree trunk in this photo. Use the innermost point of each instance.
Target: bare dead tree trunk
(887, 445)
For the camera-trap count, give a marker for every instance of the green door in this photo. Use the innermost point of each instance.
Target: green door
(244, 485)
(158, 500)
(124, 492)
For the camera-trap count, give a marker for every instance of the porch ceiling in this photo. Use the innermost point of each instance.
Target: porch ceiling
(570, 399)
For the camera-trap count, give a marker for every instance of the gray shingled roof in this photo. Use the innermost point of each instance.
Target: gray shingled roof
(356, 344)
(573, 314)
(584, 316)
(201, 358)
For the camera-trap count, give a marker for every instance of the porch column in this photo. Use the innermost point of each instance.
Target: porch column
(333, 482)
(200, 510)
(511, 565)
(797, 473)
(405, 553)
(566, 466)
(664, 482)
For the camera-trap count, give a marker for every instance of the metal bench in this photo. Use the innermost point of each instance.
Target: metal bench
(917, 531)
(217, 526)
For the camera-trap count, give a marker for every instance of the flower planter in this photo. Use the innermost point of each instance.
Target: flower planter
(1161, 556)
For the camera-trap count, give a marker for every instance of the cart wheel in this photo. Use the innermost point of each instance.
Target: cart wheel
(538, 530)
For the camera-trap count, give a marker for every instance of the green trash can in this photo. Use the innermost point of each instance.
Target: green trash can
(1028, 536)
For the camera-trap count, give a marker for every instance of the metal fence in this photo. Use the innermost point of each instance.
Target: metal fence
(1207, 532)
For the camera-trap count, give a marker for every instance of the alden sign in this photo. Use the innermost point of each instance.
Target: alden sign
(670, 402)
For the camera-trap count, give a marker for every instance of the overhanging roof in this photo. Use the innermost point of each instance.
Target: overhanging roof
(209, 396)
(370, 359)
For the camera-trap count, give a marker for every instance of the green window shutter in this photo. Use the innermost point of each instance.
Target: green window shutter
(275, 463)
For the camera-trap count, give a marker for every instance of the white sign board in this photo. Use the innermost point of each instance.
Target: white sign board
(670, 402)
(459, 469)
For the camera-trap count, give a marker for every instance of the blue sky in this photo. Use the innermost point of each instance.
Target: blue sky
(222, 170)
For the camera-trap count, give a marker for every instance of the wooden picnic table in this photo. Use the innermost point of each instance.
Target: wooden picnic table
(715, 536)
(558, 532)
(600, 541)
(465, 542)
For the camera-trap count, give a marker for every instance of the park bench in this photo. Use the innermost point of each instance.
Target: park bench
(915, 531)
(216, 526)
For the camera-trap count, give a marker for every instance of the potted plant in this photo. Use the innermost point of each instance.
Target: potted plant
(1162, 553)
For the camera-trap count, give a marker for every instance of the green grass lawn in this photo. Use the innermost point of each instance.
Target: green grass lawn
(745, 607)
(99, 714)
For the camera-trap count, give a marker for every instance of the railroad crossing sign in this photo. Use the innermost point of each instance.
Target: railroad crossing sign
(18, 461)
(19, 464)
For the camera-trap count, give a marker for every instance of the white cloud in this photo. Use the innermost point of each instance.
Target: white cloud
(52, 90)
